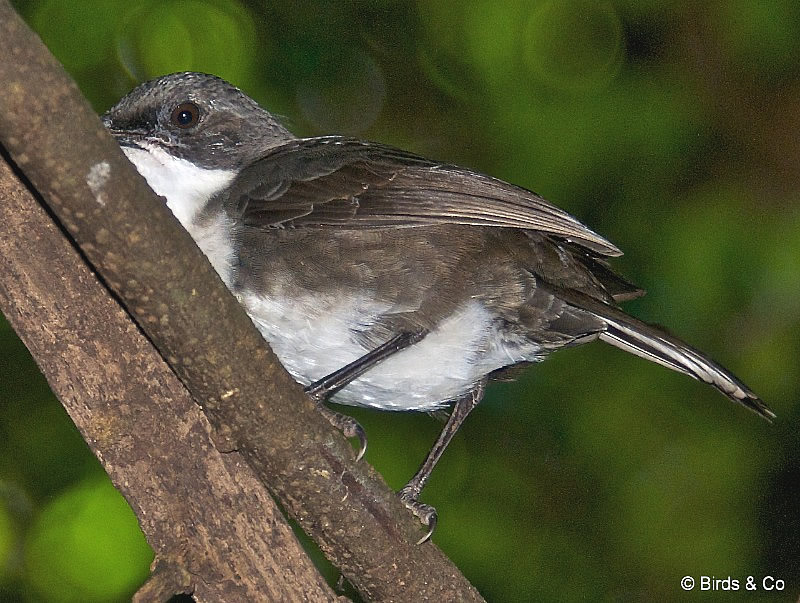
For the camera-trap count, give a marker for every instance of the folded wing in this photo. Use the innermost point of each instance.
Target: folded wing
(335, 182)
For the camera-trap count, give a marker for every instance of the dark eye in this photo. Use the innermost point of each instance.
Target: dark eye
(185, 115)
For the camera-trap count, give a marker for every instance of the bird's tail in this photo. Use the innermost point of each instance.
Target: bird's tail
(654, 344)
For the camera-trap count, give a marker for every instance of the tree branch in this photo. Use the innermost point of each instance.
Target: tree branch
(204, 513)
(154, 268)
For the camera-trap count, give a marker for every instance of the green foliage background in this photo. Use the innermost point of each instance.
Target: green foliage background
(670, 127)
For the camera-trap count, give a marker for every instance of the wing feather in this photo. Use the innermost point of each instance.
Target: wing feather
(342, 182)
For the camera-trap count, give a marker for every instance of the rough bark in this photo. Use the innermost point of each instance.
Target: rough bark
(167, 286)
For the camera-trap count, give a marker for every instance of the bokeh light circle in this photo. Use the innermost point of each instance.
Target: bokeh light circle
(189, 35)
(573, 45)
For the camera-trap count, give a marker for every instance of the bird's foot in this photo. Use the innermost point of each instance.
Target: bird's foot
(425, 513)
(320, 391)
(348, 426)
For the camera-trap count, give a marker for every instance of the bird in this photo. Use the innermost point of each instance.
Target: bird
(379, 278)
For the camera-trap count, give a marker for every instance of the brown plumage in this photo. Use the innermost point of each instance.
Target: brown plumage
(342, 216)
(378, 277)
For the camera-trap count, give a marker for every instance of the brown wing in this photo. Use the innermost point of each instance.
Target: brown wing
(331, 182)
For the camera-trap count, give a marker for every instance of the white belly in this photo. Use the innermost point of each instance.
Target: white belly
(313, 340)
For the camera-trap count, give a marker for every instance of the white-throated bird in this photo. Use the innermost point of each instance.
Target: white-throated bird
(379, 278)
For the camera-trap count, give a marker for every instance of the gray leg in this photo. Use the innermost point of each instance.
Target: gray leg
(410, 492)
(320, 391)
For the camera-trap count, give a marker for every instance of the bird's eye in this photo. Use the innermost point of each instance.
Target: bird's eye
(185, 115)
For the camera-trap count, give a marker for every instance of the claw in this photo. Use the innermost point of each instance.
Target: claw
(425, 513)
(348, 426)
(353, 429)
(431, 523)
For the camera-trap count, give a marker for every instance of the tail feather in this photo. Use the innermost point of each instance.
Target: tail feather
(654, 344)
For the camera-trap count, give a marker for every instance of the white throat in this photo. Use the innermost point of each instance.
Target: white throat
(187, 189)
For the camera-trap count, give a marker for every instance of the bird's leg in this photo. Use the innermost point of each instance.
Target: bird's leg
(410, 492)
(321, 390)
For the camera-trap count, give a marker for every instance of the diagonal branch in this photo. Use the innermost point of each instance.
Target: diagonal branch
(203, 512)
(165, 283)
